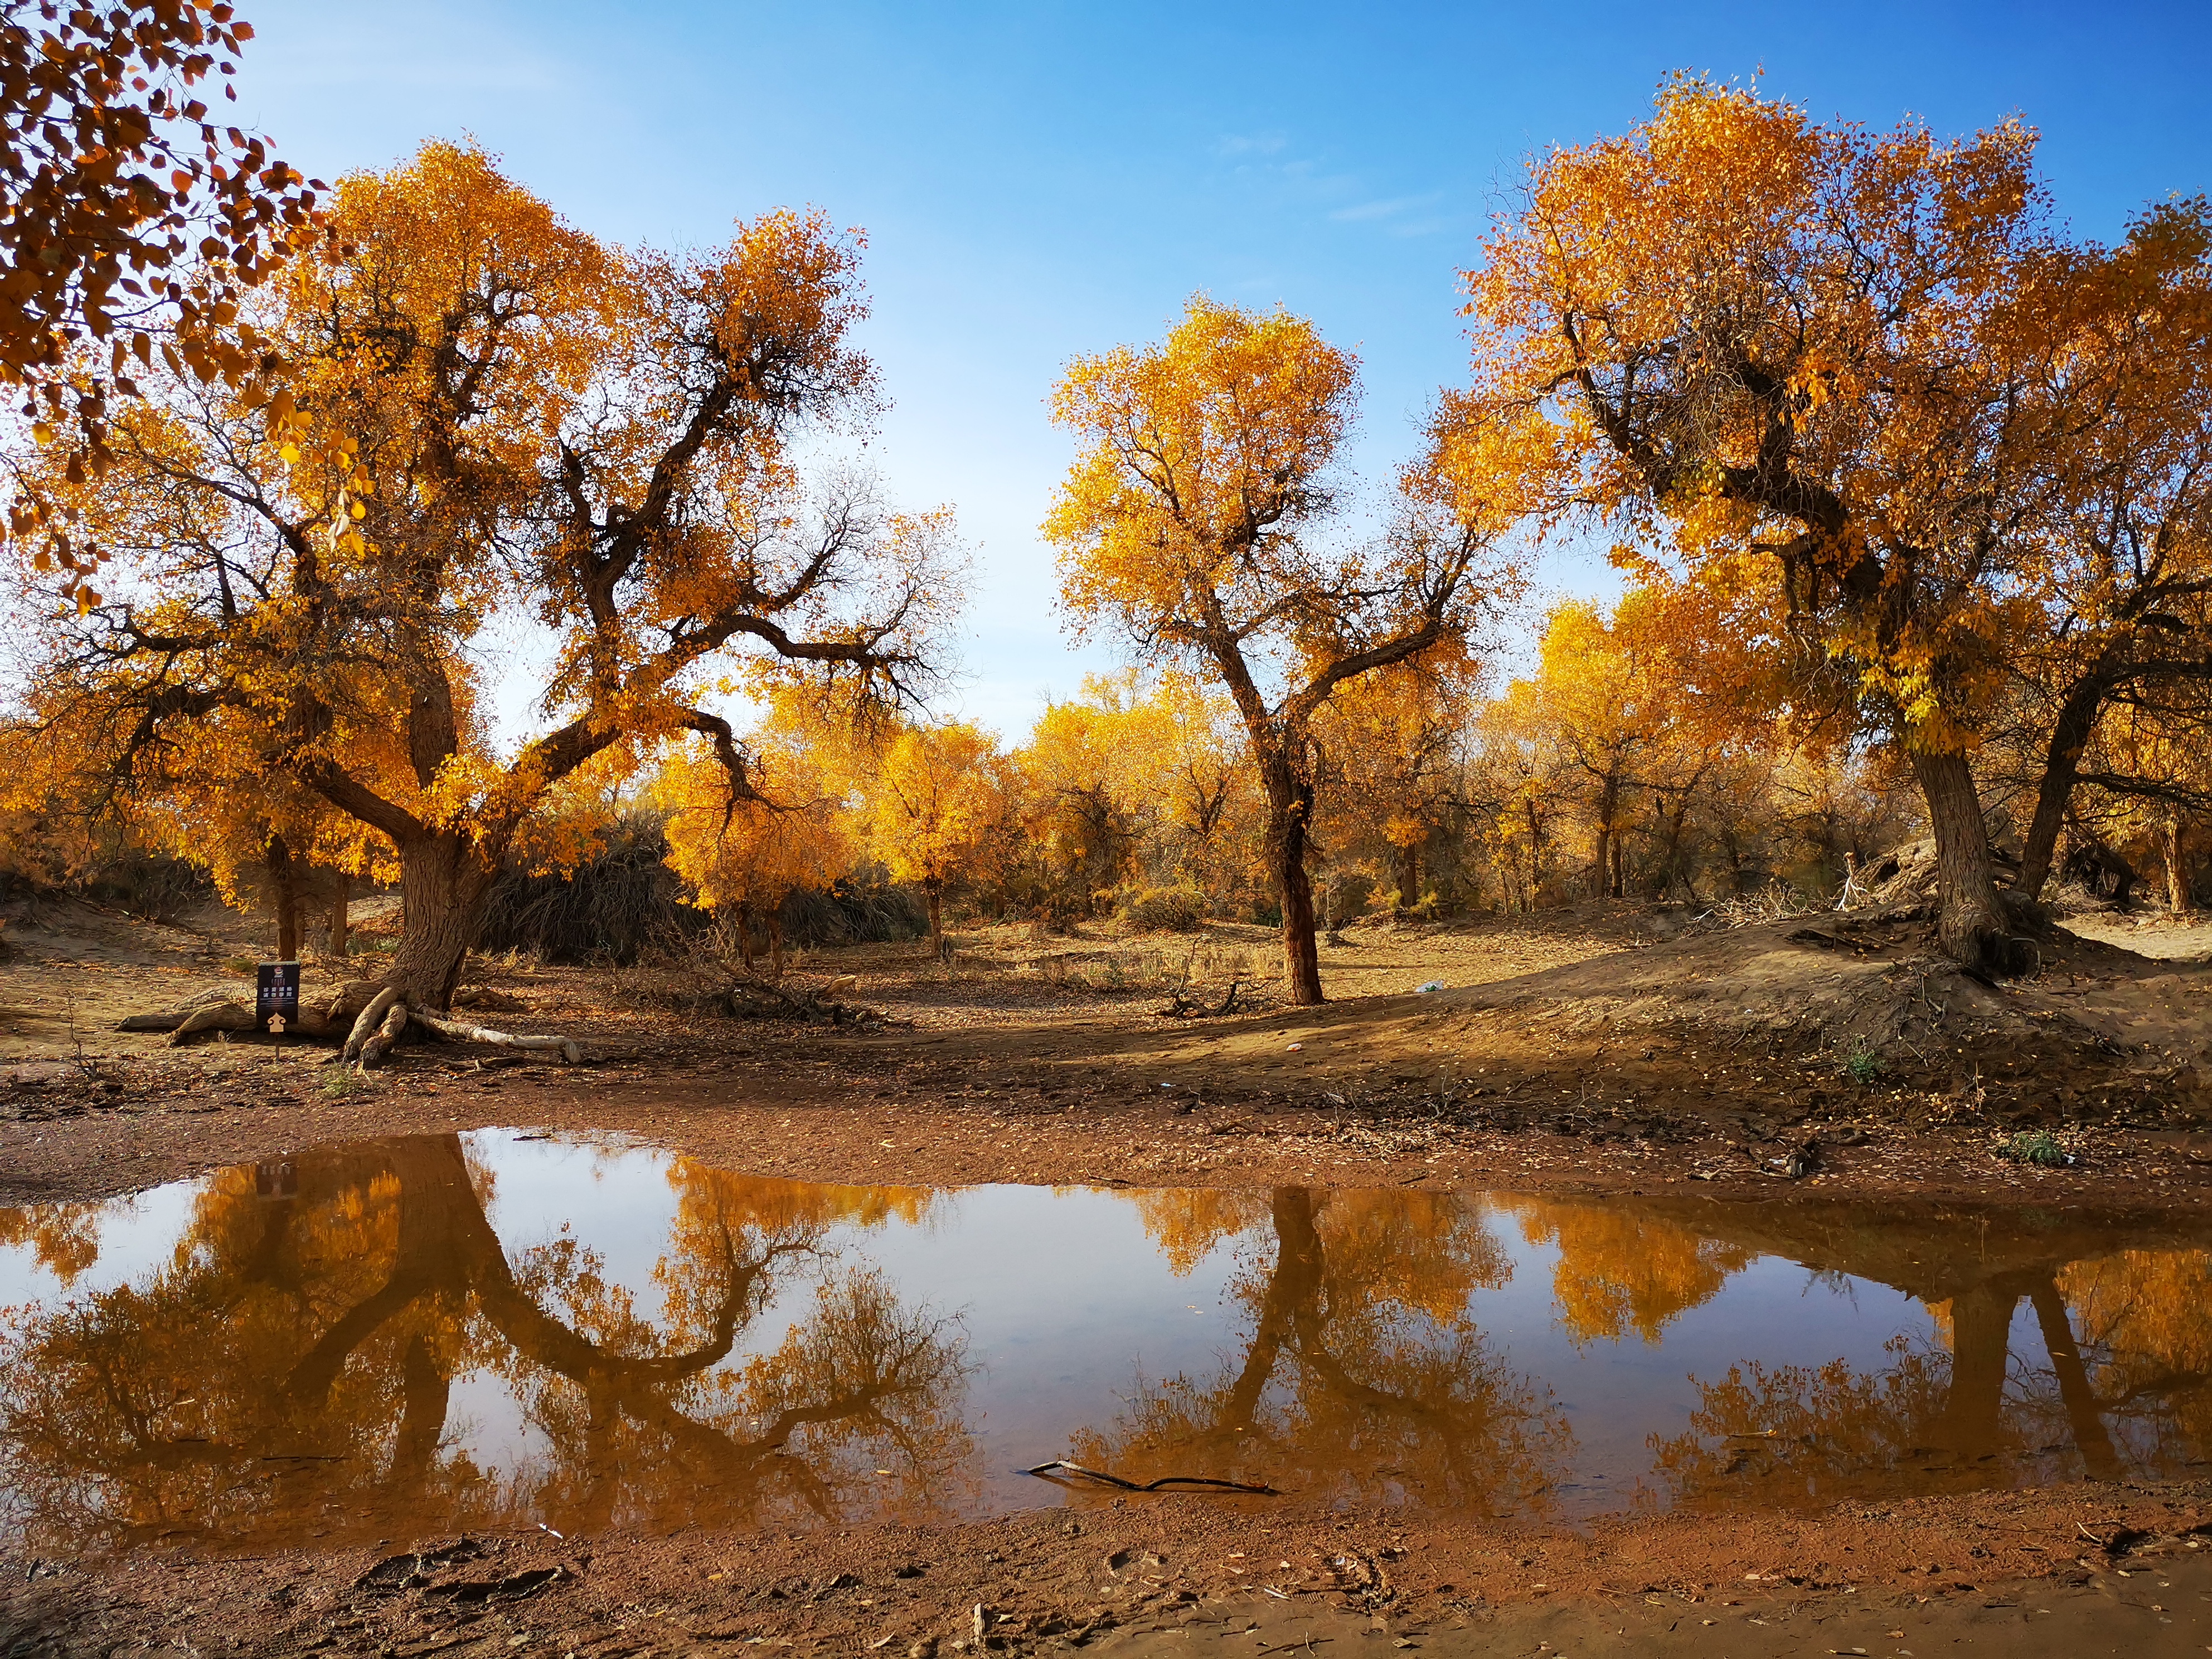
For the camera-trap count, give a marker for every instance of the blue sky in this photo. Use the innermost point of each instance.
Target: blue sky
(1041, 180)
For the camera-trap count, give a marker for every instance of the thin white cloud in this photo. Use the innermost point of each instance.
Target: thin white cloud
(1390, 208)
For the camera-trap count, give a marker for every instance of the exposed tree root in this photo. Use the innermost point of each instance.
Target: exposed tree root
(367, 1022)
(461, 1032)
(372, 1016)
(379, 1041)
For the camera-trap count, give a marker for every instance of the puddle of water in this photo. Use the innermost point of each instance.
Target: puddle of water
(427, 1333)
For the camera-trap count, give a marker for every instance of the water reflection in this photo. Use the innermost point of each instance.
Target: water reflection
(2120, 1386)
(438, 1332)
(1362, 1377)
(291, 1367)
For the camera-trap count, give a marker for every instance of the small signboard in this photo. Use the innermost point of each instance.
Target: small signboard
(276, 996)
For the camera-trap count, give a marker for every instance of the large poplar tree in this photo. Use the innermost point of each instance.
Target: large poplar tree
(1202, 521)
(512, 418)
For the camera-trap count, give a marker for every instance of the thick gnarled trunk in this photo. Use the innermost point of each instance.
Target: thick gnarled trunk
(1970, 921)
(444, 884)
(1409, 875)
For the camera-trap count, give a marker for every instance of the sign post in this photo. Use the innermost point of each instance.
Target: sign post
(276, 996)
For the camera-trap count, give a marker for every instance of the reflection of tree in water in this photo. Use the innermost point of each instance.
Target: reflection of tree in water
(64, 1238)
(1362, 1377)
(2145, 1324)
(2123, 1385)
(292, 1366)
(1620, 1270)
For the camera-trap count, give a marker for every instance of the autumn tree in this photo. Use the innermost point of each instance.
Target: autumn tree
(2142, 786)
(936, 796)
(1392, 741)
(1511, 784)
(1753, 334)
(1092, 780)
(1195, 523)
(2122, 532)
(511, 416)
(133, 222)
(744, 851)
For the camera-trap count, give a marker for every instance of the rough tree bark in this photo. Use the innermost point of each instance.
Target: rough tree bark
(341, 921)
(2062, 765)
(1971, 923)
(1409, 875)
(1289, 821)
(283, 897)
(2176, 869)
(446, 880)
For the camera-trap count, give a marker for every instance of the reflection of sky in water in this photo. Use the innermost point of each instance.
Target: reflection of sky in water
(138, 1237)
(1064, 1302)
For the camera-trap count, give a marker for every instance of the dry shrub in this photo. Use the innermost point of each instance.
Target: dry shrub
(854, 912)
(614, 906)
(1165, 909)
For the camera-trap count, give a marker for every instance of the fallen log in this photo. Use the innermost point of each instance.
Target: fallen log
(753, 998)
(1183, 1006)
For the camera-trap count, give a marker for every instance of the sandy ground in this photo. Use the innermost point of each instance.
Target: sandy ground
(1614, 1049)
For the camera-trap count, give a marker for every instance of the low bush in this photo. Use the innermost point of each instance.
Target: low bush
(1165, 909)
(2037, 1147)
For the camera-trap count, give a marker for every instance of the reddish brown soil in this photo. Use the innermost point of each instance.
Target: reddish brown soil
(886, 1123)
(2059, 1572)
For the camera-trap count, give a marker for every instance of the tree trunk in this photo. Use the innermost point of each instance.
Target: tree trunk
(1535, 853)
(1604, 855)
(284, 895)
(1981, 1332)
(1290, 811)
(2070, 736)
(1970, 922)
(2091, 1438)
(775, 942)
(933, 891)
(1409, 876)
(2177, 872)
(445, 881)
(341, 921)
